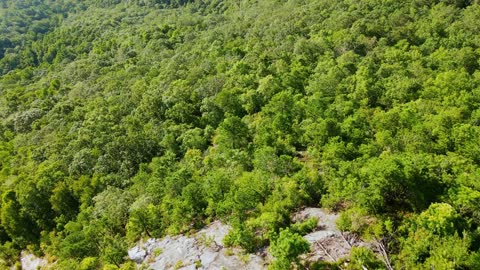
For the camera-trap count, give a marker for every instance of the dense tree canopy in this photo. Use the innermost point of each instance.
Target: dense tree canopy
(128, 119)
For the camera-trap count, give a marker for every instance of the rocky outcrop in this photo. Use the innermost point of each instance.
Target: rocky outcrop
(32, 262)
(204, 250)
(327, 242)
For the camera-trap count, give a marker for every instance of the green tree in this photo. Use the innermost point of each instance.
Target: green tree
(232, 133)
(19, 226)
(287, 248)
(441, 247)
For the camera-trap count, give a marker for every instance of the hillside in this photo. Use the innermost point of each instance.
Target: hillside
(122, 120)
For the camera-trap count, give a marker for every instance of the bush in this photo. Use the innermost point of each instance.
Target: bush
(363, 257)
(287, 248)
(305, 226)
(89, 263)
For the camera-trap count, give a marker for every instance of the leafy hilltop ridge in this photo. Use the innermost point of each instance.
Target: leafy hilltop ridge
(125, 120)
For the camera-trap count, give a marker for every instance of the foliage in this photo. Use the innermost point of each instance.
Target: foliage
(305, 226)
(361, 257)
(442, 245)
(121, 120)
(286, 249)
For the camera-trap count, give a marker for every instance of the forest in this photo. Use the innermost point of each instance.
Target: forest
(122, 120)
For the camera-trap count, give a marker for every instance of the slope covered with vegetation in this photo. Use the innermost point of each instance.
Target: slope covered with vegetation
(130, 119)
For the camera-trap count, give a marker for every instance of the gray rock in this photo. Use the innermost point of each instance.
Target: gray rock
(204, 250)
(32, 262)
(319, 236)
(137, 254)
(326, 220)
